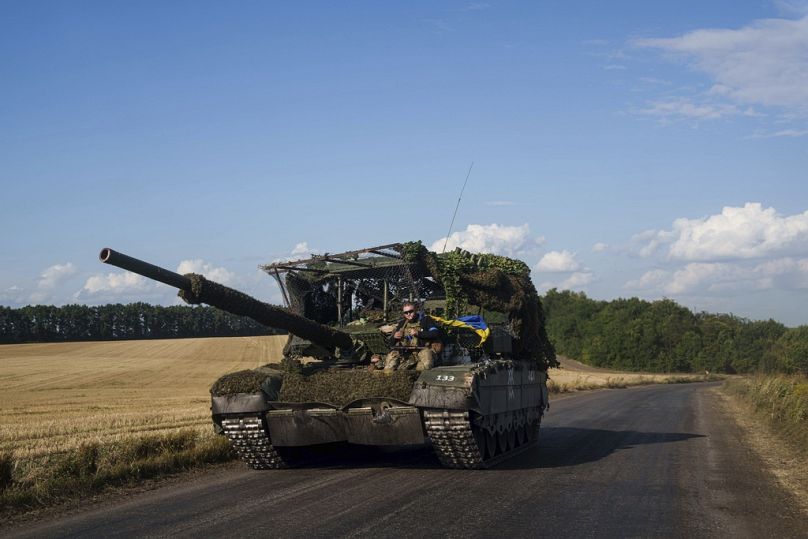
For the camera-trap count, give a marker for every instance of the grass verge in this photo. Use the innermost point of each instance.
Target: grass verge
(782, 401)
(92, 467)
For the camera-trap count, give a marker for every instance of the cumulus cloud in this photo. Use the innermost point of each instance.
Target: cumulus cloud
(300, 251)
(116, 283)
(493, 238)
(14, 295)
(576, 281)
(763, 63)
(722, 278)
(220, 275)
(600, 247)
(49, 280)
(55, 275)
(746, 232)
(558, 261)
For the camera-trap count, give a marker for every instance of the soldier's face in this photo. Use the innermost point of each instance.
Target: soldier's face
(409, 311)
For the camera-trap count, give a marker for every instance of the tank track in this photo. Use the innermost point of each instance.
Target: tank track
(459, 444)
(249, 438)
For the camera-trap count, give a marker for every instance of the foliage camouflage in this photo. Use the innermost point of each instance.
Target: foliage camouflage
(333, 386)
(341, 386)
(495, 283)
(246, 381)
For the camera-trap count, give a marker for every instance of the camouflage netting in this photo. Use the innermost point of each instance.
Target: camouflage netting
(495, 283)
(340, 387)
(248, 381)
(335, 386)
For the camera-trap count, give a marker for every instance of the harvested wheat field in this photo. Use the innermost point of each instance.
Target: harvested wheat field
(56, 396)
(575, 376)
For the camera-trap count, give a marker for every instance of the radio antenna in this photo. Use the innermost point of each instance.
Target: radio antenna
(456, 208)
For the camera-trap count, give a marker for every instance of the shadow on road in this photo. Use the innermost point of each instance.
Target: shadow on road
(557, 447)
(567, 446)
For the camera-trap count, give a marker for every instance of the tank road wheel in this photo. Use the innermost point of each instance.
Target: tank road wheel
(502, 442)
(249, 438)
(521, 435)
(490, 445)
(532, 430)
(511, 433)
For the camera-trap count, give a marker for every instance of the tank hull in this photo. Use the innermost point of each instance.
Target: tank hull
(473, 416)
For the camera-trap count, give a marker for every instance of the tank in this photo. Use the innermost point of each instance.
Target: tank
(481, 401)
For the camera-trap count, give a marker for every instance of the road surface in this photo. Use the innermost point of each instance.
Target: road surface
(651, 461)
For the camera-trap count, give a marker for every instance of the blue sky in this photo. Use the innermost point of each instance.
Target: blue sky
(620, 148)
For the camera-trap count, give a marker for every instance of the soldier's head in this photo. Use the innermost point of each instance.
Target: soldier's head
(410, 310)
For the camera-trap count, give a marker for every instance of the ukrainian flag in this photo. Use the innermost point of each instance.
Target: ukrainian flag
(473, 322)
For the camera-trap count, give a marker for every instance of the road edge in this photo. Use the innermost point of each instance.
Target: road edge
(784, 463)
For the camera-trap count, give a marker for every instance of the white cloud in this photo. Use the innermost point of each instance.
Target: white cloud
(792, 133)
(648, 242)
(558, 261)
(744, 232)
(219, 275)
(14, 295)
(600, 247)
(493, 238)
(685, 108)
(117, 283)
(55, 275)
(765, 63)
(576, 281)
(724, 278)
(302, 249)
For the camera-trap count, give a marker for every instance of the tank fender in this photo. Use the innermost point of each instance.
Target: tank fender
(444, 387)
(239, 403)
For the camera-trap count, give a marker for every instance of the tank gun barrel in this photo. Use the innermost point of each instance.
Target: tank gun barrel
(110, 256)
(196, 289)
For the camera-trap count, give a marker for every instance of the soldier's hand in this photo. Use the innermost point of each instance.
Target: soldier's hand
(398, 334)
(413, 332)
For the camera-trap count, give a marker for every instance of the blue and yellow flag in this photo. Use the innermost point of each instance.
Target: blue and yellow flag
(473, 322)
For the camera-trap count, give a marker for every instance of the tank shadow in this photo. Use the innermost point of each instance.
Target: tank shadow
(358, 456)
(569, 446)
(557, 447)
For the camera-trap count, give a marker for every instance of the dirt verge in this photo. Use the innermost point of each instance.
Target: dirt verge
(787, 465)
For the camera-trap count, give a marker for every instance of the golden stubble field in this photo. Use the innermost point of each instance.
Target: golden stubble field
(55, 397)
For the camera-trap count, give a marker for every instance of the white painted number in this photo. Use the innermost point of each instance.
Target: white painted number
(445, 378)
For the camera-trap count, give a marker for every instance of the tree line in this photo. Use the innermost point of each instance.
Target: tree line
(663, 336)
(47, 323)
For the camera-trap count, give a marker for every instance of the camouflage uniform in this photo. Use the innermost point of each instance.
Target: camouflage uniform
(419, 358)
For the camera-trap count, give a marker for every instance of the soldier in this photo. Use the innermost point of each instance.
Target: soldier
(412, 341)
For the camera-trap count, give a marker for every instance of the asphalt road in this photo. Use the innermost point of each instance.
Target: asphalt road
(652, 461)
